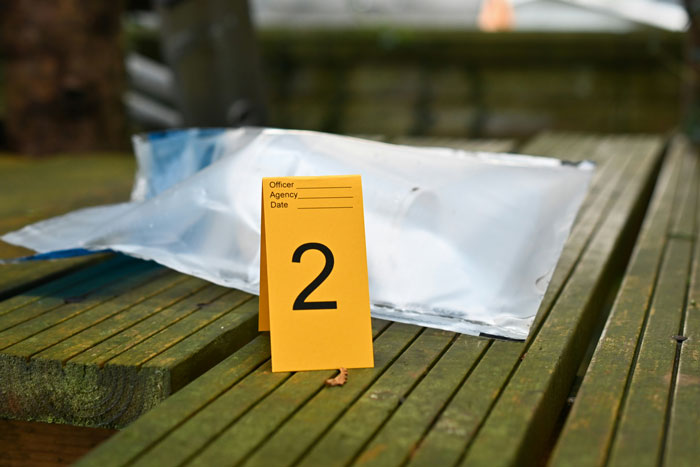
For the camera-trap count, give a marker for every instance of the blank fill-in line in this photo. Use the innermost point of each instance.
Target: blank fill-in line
(320, 187)
(328, 207)
(325, 197)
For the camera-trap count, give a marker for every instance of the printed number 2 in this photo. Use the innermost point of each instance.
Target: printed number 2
(300, 303)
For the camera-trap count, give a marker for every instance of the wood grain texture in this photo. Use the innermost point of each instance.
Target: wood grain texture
(191, 419)
(361, 421)
(682, 446)
(619, 416)
(401, 433)
(242, 430)
(640, 435)
(640, 430)
(153, 426)
(523, 418)
(103, 345)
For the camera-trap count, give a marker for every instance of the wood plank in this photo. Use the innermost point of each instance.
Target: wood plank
(75, 181)
(591, 426)
(524, 416)
(589, 429)
(16, 278)
(120, 342)
(361, 421)
(24, 322)
(682, 446)
(48, 335)
(82, 339)
(101, 348)
(253, 421)
(59, 289)
(685, 213)
(154, 425)
(640, 435)
(399, 436)
(222, 390)
(323, 408)
(205, 313)
(463, 415)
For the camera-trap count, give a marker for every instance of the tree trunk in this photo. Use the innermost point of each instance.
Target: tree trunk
(64, 75)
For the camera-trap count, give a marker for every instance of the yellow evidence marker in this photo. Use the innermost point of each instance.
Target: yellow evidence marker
(314, 291)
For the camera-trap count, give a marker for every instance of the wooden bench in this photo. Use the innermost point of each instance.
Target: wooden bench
(101, 346)
(639, 403)
(434, 397)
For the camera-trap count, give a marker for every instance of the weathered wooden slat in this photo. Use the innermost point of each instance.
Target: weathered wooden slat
(153, 426)
(46, 444)
(525, 415)
(82, 340)
(324, 407)
(38, 316)
(204, 347)
(639, 436)
(362, 420)
(460, 420)
(19, 277)
(640, 433)
(252, 420)
(122, 341)
(39, 187)
(573, 147)
(682, 448)
(58, 333)
(135, 334)
(590, 425)
(236, 402)
(58, 290)
(206, 312)
(231, 387)
(400, 435)
(685, 212)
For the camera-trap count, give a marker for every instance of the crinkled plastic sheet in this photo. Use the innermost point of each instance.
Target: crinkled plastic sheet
(456, 240)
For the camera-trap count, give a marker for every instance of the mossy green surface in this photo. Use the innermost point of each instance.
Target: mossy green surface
(432, 396)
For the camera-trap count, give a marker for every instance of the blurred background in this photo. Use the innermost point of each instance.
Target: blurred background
(79, 75)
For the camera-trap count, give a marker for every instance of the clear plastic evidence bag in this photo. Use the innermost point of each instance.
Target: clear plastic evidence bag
(462, 241)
